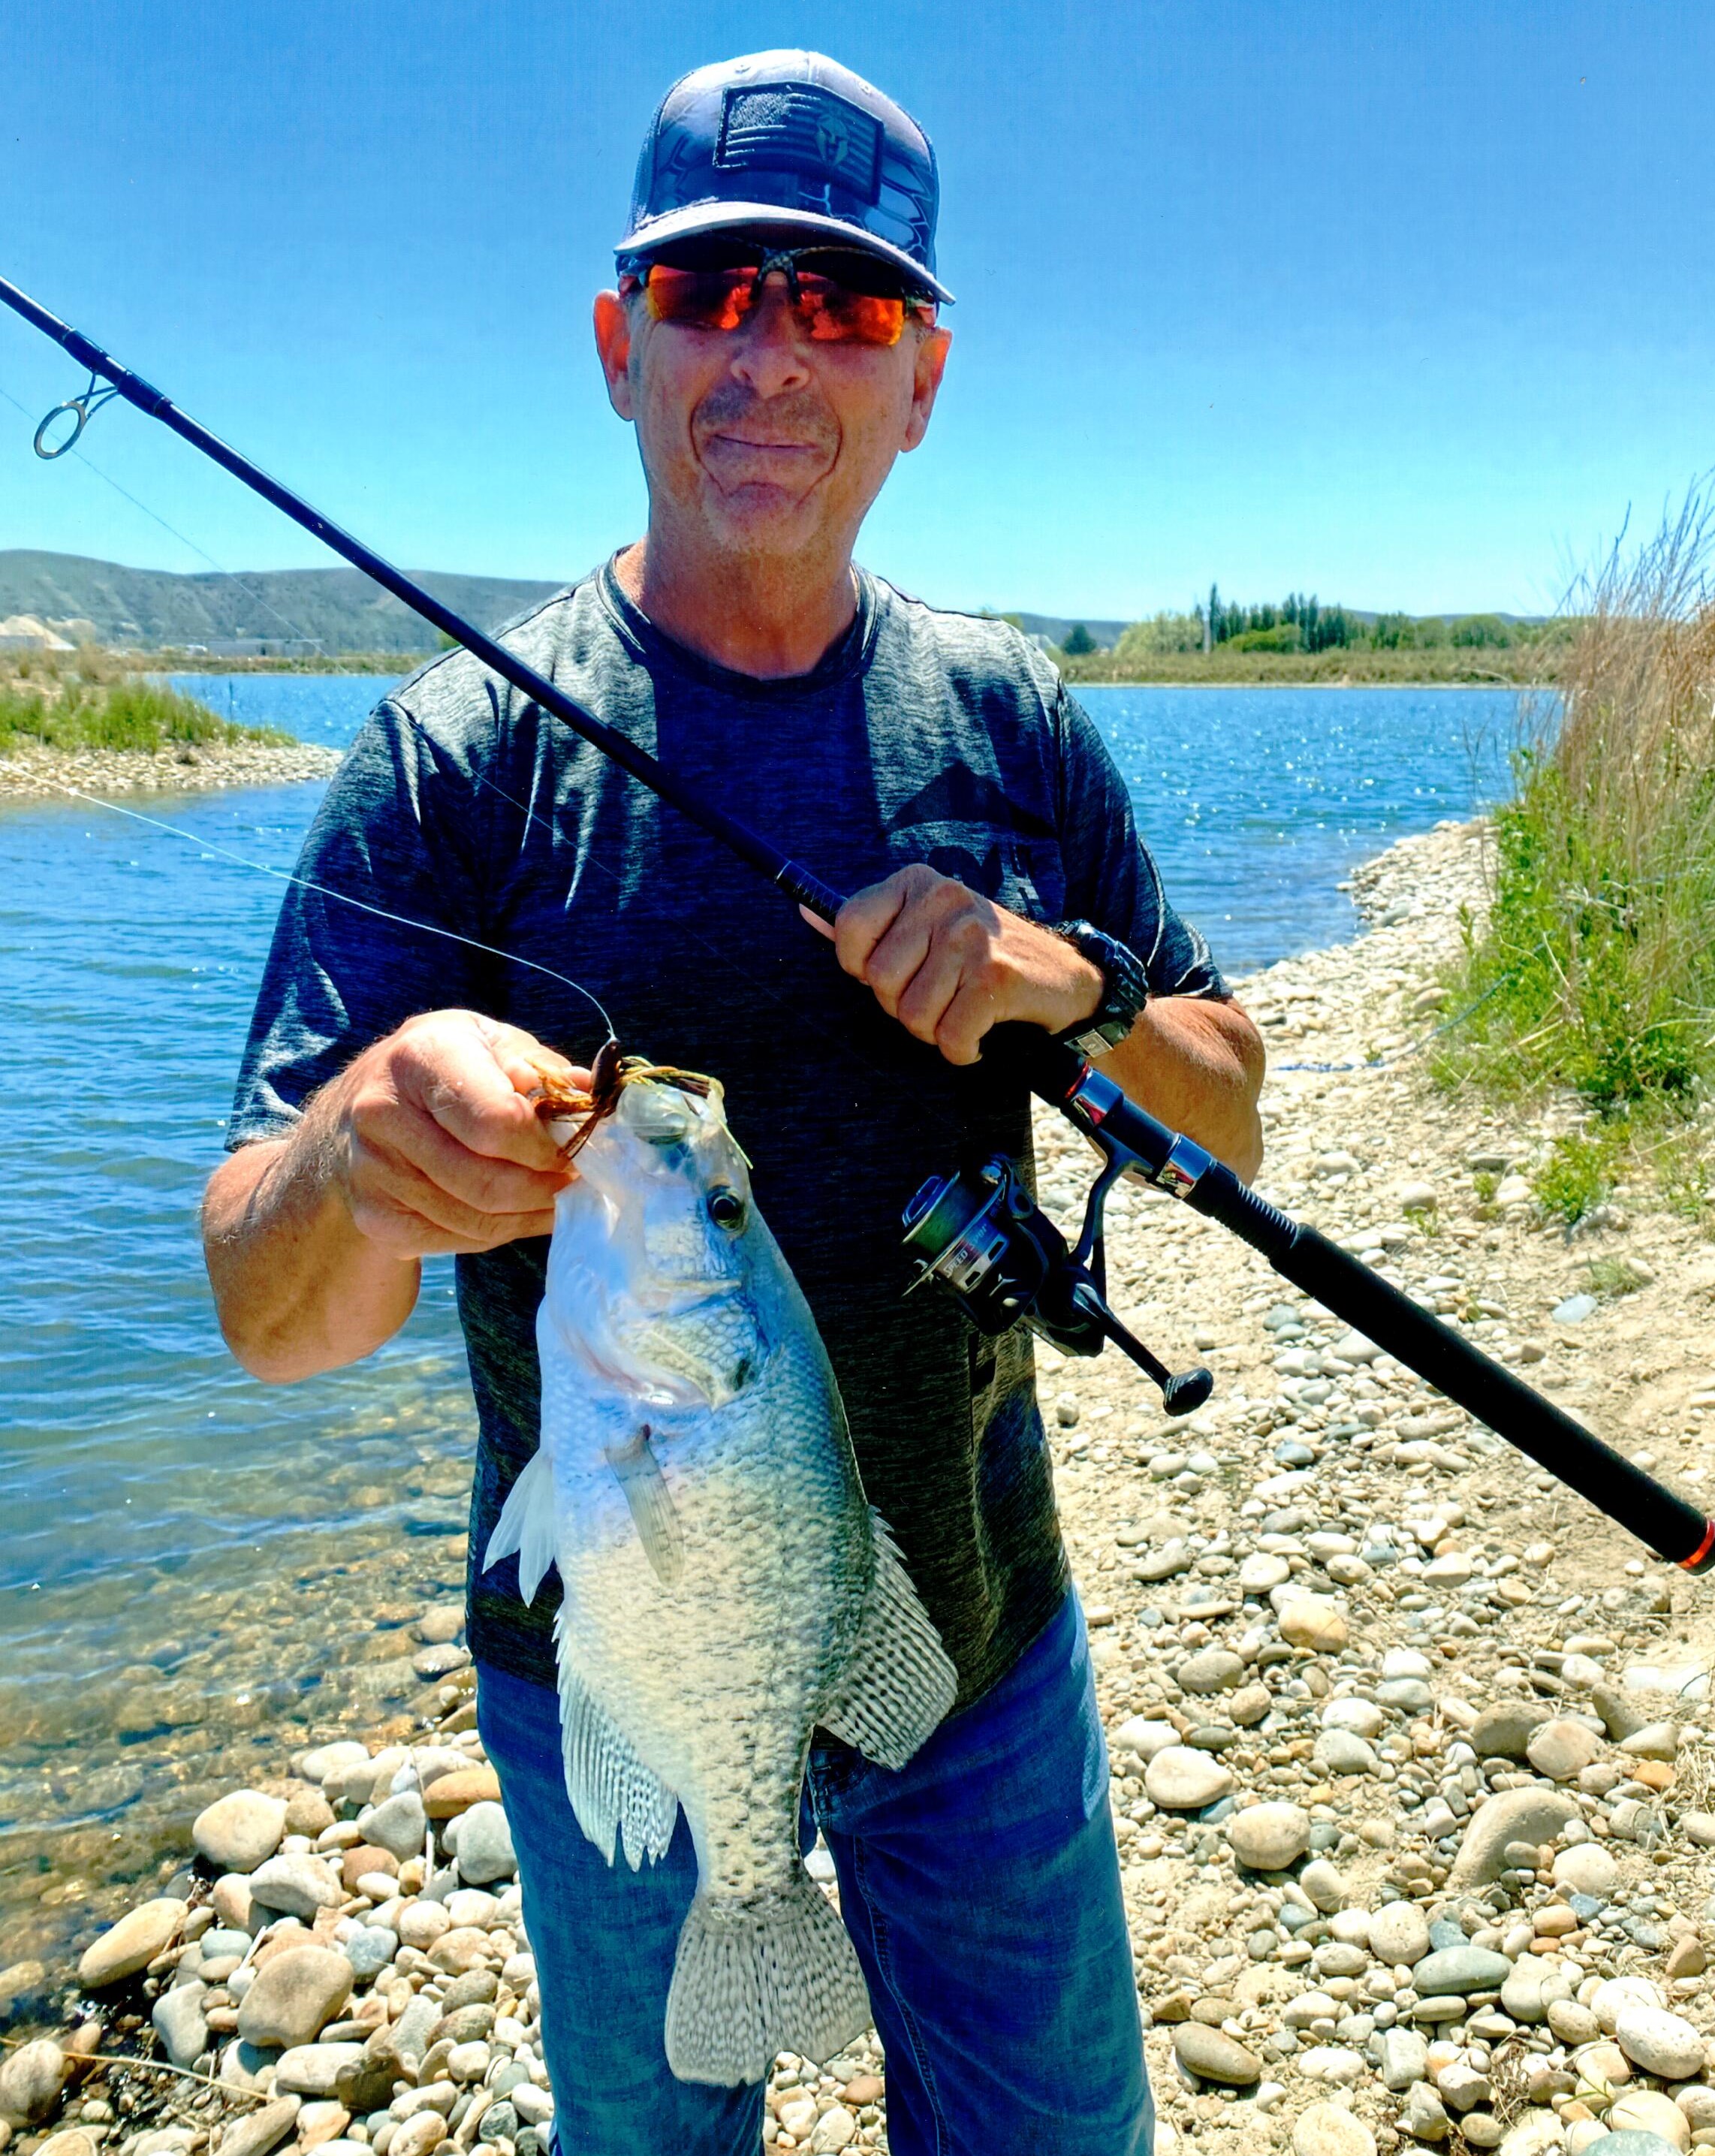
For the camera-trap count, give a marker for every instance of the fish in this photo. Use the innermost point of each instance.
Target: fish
(728, 1589)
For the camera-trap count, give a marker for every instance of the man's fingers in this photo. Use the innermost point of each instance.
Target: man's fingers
(822, 927)
(409, 1209)
(456, 1074)
(867, 915)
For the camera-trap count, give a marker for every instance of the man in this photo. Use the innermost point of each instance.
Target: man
(775, 339)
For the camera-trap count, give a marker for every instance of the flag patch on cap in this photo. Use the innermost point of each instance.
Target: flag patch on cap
(807, 130)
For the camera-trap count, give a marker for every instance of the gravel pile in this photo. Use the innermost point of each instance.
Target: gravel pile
(29, 772)
(1413, 1755)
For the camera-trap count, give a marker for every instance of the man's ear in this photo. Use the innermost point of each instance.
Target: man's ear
(932, 348)
(612, 344)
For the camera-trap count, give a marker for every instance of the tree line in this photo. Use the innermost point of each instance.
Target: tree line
(1300, 622)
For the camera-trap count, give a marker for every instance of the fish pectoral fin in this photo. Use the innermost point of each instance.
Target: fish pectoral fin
(899, 1682)
(612, 1791)
(527, 1525)
(653, 1511)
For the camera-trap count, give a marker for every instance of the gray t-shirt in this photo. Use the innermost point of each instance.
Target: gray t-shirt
(920, 737)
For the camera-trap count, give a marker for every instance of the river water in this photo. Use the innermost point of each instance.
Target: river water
(196, 1569)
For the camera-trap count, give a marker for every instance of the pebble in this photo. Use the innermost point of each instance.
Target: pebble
(177, 2019)
(455, 1792)
(399, 1824)
(1659, 2042)
(1313, 1621)
(1398, 1933)
(1534, 1815)
(1462, 1969)
(1343, 1752)
(1562, 1749)
(1586, 1868)
(296, 1885)
(1332, 2062)
(1214, 2056)
(1635, 2141)
(1611, 1999)
(482, 1840)
(30, 2079)
(1180, 1780)
(1328, 2129)
(1363, 1717)
(295, 1996)
(1269, 1837)
(1215, 1669)
(238, 1831)
(1142, 1738)
(131, 1944)
(1648, 2110)
(313, 2070)
(1503, 1732)
(1404, 2054)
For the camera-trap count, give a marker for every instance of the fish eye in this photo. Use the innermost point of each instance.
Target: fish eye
(726, 1207)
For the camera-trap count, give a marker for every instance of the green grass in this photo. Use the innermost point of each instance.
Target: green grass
(1350, 665)
(1594, 972)
(117, 715)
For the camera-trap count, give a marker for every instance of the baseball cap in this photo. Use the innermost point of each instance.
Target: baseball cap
(790, 143)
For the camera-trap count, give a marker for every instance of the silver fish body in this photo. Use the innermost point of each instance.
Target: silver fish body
(726, 1586)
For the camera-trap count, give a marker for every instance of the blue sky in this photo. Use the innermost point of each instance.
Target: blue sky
(1408, 304)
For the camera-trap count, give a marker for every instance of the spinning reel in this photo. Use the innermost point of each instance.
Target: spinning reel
(980, 1235)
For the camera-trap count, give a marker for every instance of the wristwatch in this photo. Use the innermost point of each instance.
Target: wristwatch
(1125, 989)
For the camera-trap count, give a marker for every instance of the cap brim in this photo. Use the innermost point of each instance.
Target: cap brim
(692, 221)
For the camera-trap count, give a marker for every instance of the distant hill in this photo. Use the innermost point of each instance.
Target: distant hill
(340, 609)
(1057, 628)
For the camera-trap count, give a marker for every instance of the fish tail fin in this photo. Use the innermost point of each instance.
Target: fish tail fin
(752, 1979)
(899, 1682)
(527, 1525)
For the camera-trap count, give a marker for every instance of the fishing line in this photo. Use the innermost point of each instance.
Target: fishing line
(345, 898)
(249, 592)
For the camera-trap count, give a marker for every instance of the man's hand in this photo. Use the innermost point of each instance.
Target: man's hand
(948, 963)
(425, 1144)
(430, 1142)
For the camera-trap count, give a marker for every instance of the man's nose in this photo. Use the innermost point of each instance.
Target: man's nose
(769, 351)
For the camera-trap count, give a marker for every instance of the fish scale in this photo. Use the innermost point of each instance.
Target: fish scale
(727, 1588)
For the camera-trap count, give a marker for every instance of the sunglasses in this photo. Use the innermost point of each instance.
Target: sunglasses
(837, 295)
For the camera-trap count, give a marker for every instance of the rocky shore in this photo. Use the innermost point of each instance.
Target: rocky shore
(1412, 1754)
(28, 771)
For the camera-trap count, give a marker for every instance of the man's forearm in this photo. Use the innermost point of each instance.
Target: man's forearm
(298, 1287)
(1198, 1065)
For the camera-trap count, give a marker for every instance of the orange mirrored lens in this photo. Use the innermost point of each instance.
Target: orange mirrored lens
(830, 312)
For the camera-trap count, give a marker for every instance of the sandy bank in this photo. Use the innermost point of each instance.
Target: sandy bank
(32, 772)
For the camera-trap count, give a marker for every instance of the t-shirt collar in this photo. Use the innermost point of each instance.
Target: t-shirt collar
(849, 654)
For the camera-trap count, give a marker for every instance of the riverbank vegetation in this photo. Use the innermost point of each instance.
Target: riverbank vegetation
(91, 704)
(1594, 969)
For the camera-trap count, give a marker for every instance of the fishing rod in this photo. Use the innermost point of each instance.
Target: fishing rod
(978, 1233)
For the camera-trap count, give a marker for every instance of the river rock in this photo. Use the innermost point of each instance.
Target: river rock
(313, 2070)
(1562, 1749)
(238, 1831)
(1502, 1731)
(1425, 2114)
(1328, 2129)
(1269, 1837)
(295, 1997)
(1613, 1999)
(1656, 1740)
(1362, 1717)
(1648, 2110)
(1659, 2042)
(451, 1793)
(1535, 2135)
(482, 1841)
(1571, 2023)
(1637, 2141)
(71, 2141)
(132, 1944)
(1343, 1752)
(1180, 1780)
(177, 2019)
(1215, 2056)
(421, 1923)
(30, 2079)
(308, 1813)
(1404, 2058)
(1315, 1622)
(1460, 1970)
(1262, 1570)
(253, 2133)
(369, 1949)
(1586, 1868)
(1215, 1669)
(1534, 1983)
(1323, 1882)
(295, 1885)
(344, 1753)
(234, 1903)
(1142, 1738)
(1398, 1932)
(399, 1824)
(1533, 1815)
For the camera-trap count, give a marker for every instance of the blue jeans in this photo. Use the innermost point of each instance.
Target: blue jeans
(981, 1887)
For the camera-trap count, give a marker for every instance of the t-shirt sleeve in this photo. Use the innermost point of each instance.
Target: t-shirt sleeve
(395, 836)
(1112, 879)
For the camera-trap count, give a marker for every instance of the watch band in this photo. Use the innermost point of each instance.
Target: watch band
(1125, 990)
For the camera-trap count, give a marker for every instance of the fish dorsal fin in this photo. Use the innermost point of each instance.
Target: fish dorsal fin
(653, 1511)
(612, 1791)
(899, 1683)
(527, 1525)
